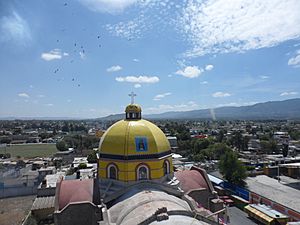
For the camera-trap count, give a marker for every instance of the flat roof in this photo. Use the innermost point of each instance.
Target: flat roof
(43, 203)
(268, 211)
(214, 179)
(52, 179)
(291, 165)
(49, 168)
(275, 191)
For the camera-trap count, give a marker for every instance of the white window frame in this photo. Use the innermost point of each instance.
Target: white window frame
(138, 174)
(108, 171)
(168, 166)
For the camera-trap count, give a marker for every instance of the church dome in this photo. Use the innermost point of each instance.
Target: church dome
(134, 149)
(134, 137)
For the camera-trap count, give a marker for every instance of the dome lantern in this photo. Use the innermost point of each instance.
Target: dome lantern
(133, 111)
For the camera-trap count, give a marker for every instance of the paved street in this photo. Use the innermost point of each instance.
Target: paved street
(238, 217)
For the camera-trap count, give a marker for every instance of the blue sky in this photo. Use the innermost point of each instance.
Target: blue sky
(82, 58)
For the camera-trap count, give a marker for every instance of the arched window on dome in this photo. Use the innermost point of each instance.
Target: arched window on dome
(142, 172)
(166, 167)
(112, 171)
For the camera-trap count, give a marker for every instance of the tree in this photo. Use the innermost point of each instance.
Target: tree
(237, 139)
(268, 147)
(65, 127)
(232, 169)
(92, 157)
(82, 166)
(285, 150)
(220, 136)
(295, 135)
(61, 146)
(219, 149)
(200, 144)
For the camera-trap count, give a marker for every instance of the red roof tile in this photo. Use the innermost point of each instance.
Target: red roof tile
(75, 191)
(190, 179)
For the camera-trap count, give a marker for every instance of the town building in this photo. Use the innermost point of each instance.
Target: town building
(136, 182)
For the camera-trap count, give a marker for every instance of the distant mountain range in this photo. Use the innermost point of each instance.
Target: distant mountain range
(287, 109)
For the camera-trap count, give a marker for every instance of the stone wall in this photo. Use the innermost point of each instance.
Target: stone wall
(78, 214)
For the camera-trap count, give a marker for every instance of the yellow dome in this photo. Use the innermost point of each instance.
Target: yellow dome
(134, 137)
(134, 149)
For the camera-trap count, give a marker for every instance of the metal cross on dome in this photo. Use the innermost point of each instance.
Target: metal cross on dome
(132, 95)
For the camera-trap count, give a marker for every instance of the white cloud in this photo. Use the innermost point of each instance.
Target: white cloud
(220, 94)
(228, 104)
(264, 77)
(221, 26)
(49, 104)
(192, 104)
(150, 14)
(137, 85)
(41, 96)
(160, 96)
(209, 67)
(204, 82)
(14, 28)
(108, 6)
(23, 95)
(129, 30)
(236, 104)
(114, 69)
(295, 61)
(53, 54)
(288, 93)
(177, 107)
(135, 60)
(190, 72)
(138, 79)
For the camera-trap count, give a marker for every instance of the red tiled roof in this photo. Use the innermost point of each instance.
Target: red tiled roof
(75, 191)
(190, 179)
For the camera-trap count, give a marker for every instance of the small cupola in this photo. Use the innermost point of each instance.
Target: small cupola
(133, 111)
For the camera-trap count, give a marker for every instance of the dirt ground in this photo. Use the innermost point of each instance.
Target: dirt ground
(14, 210)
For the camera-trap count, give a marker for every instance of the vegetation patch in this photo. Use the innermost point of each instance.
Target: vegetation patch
(30, 150)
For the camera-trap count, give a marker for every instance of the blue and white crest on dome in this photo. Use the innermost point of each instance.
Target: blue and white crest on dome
(141, 144)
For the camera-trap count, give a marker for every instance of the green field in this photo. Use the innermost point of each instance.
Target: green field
(30, 150)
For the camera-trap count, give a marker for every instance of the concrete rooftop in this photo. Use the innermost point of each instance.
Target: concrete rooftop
(272, 189)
